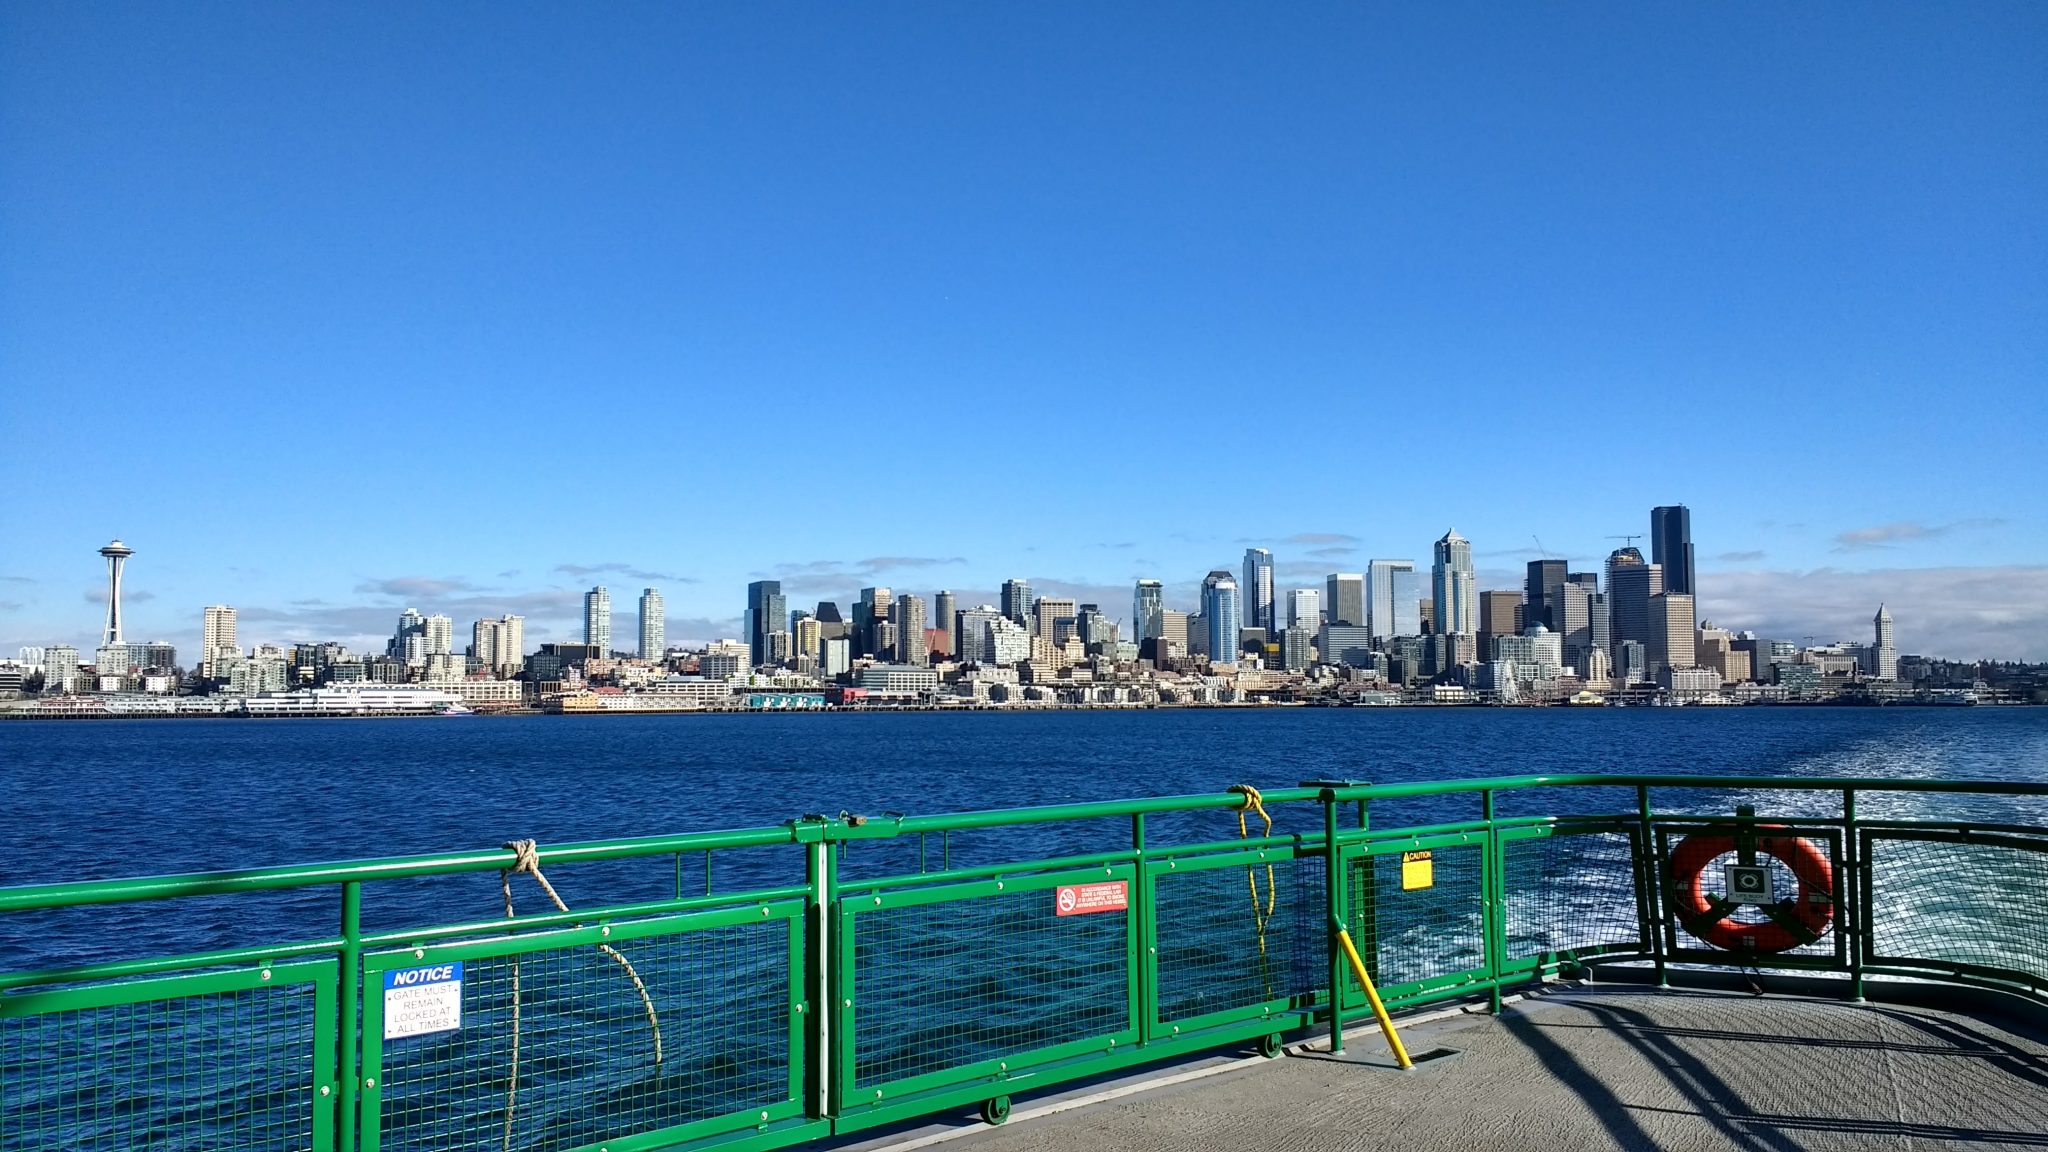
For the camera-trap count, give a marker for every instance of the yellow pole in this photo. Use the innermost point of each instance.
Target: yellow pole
(1372, 994)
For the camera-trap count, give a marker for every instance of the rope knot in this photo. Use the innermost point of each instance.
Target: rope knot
(525, 856)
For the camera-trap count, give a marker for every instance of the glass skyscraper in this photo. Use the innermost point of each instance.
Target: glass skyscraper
(1148, 605)
(653, 625)
(1671, 546)
(1257, 589)
(1222, 615)
(597, 620)
(1455, 589)
(766, 610)
(1394, 600)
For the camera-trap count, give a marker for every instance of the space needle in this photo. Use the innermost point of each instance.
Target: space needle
(117, 554)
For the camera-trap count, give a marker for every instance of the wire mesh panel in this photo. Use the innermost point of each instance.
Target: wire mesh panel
(1236, 935)
(1749, 932)
(220, 1061)
(944, 979)
(1959, 900)
(566, 1039)
(1569, 893)
(1413, 927)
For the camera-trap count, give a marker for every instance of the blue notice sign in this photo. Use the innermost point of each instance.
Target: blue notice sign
(421, 1001)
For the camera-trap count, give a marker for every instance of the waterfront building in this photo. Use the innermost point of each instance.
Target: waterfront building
(1630, 586)
(1344, 597)
(1395, 594)
(1540, 590)
(1257, 589)
(1221, 615)
(765, 609)
(1600, 625)
(1884, 654)
(1350, 645)
(1671, 547)
(1305, 610)
(943, 611)
(907, 614)
(1715, 648)
(1016, 601)
(1454, 587)
(1633, 662)
(257, 676)
(1046, 614)
(1574, 620)
(1534, 657)
(835, 656)
(1500, 614)
(597, 620)
(1294, 648)
(499, 645)
(1174, 630)
(1594, 667)
(1672, 632)
(217, 640)
(653, 625)
(437, 634)
(60, 669)
(1148, 601)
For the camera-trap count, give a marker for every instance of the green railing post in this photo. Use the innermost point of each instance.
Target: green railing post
(1649, 881)
(821, 1057)
(1845, 888)
(349, 983)
(1493, 902)
(1146, 975)
(1335, 887)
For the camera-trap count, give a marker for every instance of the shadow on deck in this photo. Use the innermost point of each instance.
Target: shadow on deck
(1606, 1067)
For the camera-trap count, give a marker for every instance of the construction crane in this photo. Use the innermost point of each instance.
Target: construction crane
(1539, 546)
(1628, 541)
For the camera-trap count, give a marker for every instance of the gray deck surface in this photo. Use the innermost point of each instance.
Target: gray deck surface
(1604, 1067)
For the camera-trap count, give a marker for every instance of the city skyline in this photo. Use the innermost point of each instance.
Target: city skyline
(594, 608)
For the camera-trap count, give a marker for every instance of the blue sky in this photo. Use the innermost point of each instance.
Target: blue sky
(329, 310)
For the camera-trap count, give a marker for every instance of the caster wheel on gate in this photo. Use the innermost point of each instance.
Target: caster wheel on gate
(995, 1111)
(1270, 1045)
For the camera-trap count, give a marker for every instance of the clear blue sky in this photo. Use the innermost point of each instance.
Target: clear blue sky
(333, 309)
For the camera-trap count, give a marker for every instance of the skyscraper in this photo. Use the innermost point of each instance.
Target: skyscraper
(765, 611)
(1500, 614)
(217, 644)
(1148, 600)
(907, 613)
(1540, 592)
(1673, 632)
(1257, 590)
(1046, 614)
(1884, 656)
(597, 620)
(1344, 597)
(1630, 585)
(943, 608)
(117, 554)
(1393, 600)
(499, 645)
(1017, 601)
(1305, 609)
(1222, 613)
(1454, 589)
(1671, 547)
(438, 634)
(653, 625)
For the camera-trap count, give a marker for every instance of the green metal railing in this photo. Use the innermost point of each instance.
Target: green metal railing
(777, 1013)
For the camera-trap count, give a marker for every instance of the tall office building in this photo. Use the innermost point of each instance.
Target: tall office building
(653, 625)
(117, 554)
(1884, 655)
(1673, 632)
(1344, 597)
(1574, 612)
(766, 609)
(1454, 588)
(1148, 600)
(943, 608)
(597, 620)
(438, 634)
(1046, 614)
(1630, 585)
(217, 644)
(1500, 614)
(408, 643)
(1389, 586)
(1671, 547)
(1257, 590)
(1173, 630)
(1017, 601)
(907, 613)
(1222, 615)
(1305, 610)
(1540, 592)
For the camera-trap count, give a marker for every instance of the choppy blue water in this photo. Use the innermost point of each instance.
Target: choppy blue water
(140, 797)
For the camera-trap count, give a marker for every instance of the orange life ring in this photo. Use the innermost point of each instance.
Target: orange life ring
(1801, 920)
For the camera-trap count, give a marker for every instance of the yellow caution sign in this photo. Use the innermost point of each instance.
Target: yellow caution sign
(1418, 870)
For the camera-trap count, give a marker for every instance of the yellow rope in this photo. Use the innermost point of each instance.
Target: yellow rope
(526, 858)
(1261, 916)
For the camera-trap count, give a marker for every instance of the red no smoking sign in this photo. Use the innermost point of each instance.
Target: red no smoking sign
(1083, 899)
